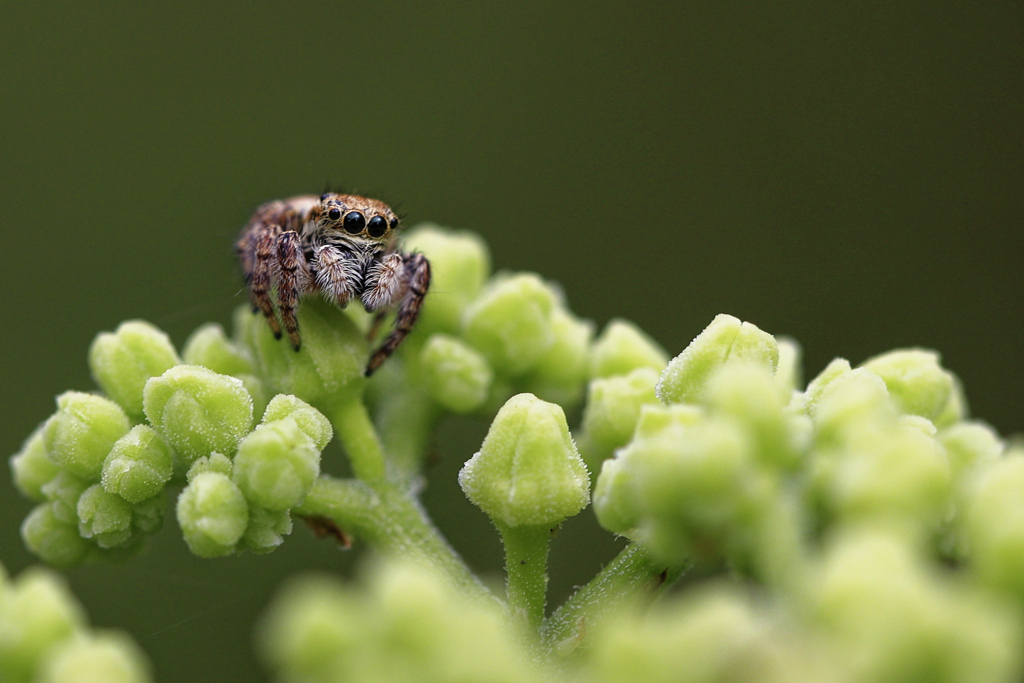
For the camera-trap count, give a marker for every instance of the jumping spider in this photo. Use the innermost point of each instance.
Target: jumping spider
(340, 245)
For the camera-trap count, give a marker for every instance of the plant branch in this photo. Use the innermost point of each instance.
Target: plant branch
(391, 522)
(630, 575)
(526, 562)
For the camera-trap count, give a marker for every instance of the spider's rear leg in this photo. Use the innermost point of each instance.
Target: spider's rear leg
(416, 274)
(292, 279)
(262, 272)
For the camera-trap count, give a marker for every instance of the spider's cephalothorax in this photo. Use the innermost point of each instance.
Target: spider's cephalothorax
(340, 245)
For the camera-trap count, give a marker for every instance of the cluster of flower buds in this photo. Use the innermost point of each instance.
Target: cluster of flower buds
(846, 501)
(44, 636)
(405, 624)
(841, 496)
(99, 466)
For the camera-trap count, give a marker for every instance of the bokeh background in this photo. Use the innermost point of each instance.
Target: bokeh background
(849, 174)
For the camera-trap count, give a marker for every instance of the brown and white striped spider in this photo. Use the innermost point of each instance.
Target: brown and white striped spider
(340, 245)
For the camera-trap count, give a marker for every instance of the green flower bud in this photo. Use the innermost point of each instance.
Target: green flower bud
(311, 627)
(459, 265)
(716, 634)
(725, 339)
(685, 486)
(198, 411)
(82, 431)
(510, 322)
(276, 465)
(329, 368)
(215, 462)
(267, 529)
(122, 362)
(527, 471)
(561, 373)
(614, 503)
(104, 656)
(409, 625)
(212, 514)
(748, 392)
(808, 401)
(956, 406)
(993, 523)
(430, 620)
(148, 516)
(847, 403)
(916, 381)
(612, 410)
(104, 517)
(259, 393)
(52, 539)
(38, 612)
(31, 469)
(655, 418)
(789, 374)
(623, 347)
(969, 445)
(872, 464)
(456, 376)
(310, 420)
(138, 465)
(63, 492)
(210, 347)
(890, 618)
(118, 554)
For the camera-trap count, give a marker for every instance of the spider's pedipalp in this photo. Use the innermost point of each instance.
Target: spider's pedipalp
(336, 276)
(416, 273)
(384, 283)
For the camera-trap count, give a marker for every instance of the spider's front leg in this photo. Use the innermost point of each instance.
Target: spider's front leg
(411, 282)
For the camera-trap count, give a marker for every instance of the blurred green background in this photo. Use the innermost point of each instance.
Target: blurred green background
(850, 174)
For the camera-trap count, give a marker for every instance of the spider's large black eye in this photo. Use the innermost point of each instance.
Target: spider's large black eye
(354, 222)
(378, 226)
(334, 214)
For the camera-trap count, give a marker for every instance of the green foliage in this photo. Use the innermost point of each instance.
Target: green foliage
(859, 528)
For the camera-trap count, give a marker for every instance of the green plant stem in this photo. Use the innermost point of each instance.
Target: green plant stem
(355, 430)
(526, 564)
(630, 575)
(391, 522)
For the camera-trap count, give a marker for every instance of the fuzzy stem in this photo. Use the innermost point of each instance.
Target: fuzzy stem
(631, 574)
(526, 563)
(391, 522)
(355, 430)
